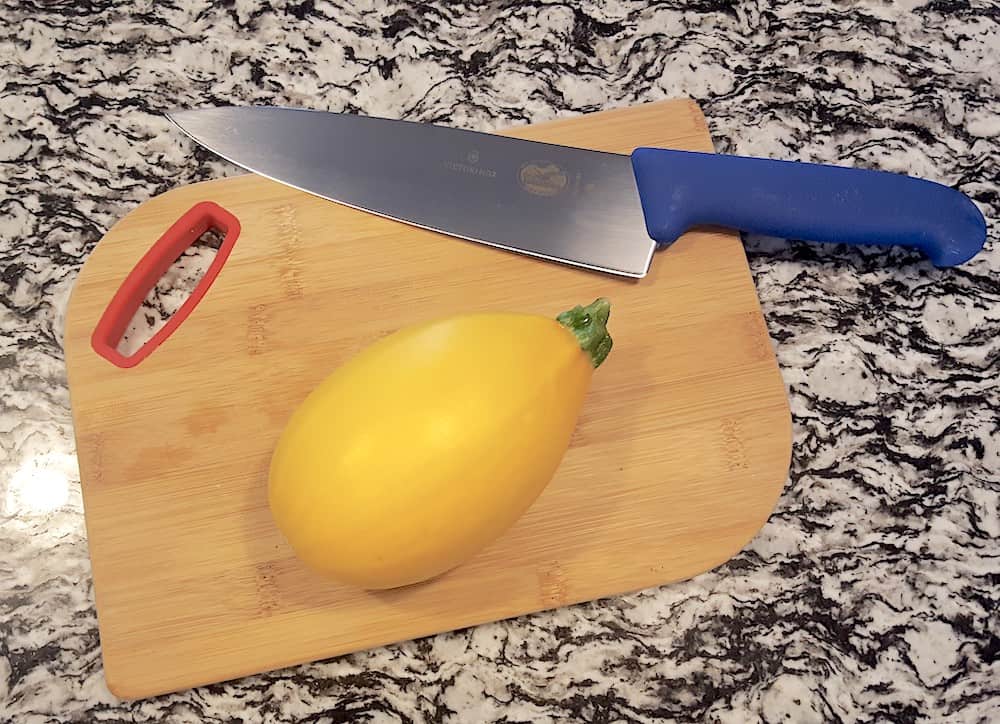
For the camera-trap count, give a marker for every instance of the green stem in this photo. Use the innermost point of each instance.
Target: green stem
(590, 325)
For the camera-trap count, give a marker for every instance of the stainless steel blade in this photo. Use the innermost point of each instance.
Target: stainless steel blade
(556, 202)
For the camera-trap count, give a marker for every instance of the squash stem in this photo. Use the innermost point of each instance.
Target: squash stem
(590, 325)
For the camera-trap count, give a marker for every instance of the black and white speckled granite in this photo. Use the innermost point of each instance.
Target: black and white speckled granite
(870, 595)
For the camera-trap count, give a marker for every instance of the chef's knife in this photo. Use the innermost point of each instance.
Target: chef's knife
(594, 209)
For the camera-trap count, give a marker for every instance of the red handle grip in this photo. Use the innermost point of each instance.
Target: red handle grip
(196, 221)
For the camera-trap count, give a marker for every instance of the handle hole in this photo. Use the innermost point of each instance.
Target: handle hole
(165, 285)
(170, 291)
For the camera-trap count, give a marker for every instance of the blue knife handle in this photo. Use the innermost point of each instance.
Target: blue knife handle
(807, 201)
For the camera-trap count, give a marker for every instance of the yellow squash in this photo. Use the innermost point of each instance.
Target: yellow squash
(431, 442)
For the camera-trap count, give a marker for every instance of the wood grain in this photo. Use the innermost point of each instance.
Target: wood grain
(681, 452)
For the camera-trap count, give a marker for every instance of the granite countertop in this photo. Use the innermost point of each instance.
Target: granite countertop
(872, 592)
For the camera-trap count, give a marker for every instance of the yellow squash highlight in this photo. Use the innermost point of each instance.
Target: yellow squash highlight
(425, 447)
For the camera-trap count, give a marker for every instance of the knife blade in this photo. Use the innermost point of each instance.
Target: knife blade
(603, 211)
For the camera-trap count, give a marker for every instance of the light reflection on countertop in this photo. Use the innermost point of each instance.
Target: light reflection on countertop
(40, 485)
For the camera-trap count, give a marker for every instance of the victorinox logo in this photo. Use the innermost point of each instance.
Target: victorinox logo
(469, 166)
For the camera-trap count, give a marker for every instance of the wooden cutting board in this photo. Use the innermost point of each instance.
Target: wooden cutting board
(679, 456)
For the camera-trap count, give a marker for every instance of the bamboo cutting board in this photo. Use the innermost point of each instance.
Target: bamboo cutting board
(679, 456)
